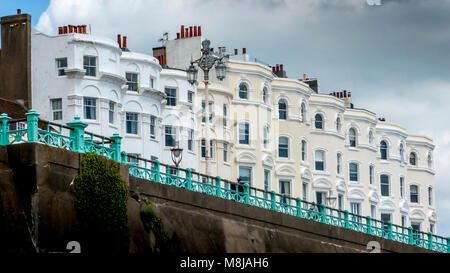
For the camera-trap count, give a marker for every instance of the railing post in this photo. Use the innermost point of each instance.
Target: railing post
(410, 236)
(389, 230)
(32, 124)
(4, 129)
(448, 244)
(77, 134)
(246, 193)
(346, 224)
(123, 157)
(188, 179)
(218, 193)
(369, 224)
(157, 172)
(299, 207)
(323, 213)
(117, 140)
(273, 201)
(430, 240)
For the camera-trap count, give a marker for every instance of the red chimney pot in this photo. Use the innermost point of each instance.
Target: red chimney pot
(19, 11)
(124, 41)
(84, 28)
(236, 51)
(278, 68)
(244, 50)
(178, 36)
(119, 40)
(199, 30)
(60, 30)
(345, 93)
(65, 29)
(70, 28)
(273, 68)
(195, 31)
(281, 67)
(182, 32)
(191, 32)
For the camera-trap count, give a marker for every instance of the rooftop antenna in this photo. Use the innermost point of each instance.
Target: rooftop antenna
(164, 39)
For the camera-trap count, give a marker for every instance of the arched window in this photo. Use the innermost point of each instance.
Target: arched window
(414, 194)
(353, 172)
(283, 147)
(303, 112)
(383, 150)
(304, 150)
(370, 137)
(338, 125)
(430, 161)
(319, 160)
(384, 184)
(243, 91)
(318, 121)
(282, 109)
(352, 137)
(412, 159)
(265, 95)
(402, 153)
(339, 163)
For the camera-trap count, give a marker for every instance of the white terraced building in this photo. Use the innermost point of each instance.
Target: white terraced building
(272, 132)
(281, 134)
(113, 90)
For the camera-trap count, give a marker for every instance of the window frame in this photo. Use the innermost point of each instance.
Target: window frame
(323, 162)
(170, 97)
(130, 83)
(60, 70)
(352, 172)
(284, 148)
(152, 127)
(131, 122)
(112, 112)
(56, 111)
(282, 112)
(316, 122)
(245, 133)
(172, 134)
(352, 137)
(386, 153)
(388, 184)
(88, 67)
(246, 91)
(411, 194)
(410, 158)
(86, 107)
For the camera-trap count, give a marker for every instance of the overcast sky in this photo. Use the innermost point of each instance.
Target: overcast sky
(393, 57)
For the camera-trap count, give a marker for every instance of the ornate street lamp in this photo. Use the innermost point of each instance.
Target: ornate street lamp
(206, 62)
(177, 156)
(331, 200)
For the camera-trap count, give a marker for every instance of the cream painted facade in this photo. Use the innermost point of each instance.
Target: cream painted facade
(296, 174)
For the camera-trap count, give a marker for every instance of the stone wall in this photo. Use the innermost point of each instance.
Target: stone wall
(37, 214)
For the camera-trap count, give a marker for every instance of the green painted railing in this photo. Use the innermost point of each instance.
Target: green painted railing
(73, 137)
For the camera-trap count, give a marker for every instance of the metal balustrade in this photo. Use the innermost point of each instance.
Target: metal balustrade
(73, 137)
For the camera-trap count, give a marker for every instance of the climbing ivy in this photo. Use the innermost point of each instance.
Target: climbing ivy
(152, 222)
(101, 201)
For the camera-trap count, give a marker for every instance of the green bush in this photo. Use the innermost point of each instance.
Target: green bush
(152, 222)
(101, 203)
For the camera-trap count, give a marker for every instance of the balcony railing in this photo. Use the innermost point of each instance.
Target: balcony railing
(73, 137)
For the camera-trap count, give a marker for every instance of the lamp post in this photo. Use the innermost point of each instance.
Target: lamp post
(206, 62)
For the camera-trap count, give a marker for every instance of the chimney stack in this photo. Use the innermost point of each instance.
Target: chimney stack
(182, 32)
(304, 77)
(84, 28)
(19, 11)
(281, 67)
(65, 29)
(273, 69)
(119, 40)
(191, 32)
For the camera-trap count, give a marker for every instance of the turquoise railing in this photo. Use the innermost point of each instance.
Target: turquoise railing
(73, 137)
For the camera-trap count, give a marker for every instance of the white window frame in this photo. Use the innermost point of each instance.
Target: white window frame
(286, 148)
(56, 111)
(167, 97)
(61, 69)
(112, 112)
(418, 193)
(239, 133)
(357, 172)
(130, 81)
(173, 132)
(129, 120)
(153, 126)
(90, 65)
(389, 184)
(324, 160)
(85, 107)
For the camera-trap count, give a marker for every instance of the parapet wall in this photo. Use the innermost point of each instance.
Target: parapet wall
(37, 214)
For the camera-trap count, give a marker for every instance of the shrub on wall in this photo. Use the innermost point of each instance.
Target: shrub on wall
(101, 202)
(152, 222)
